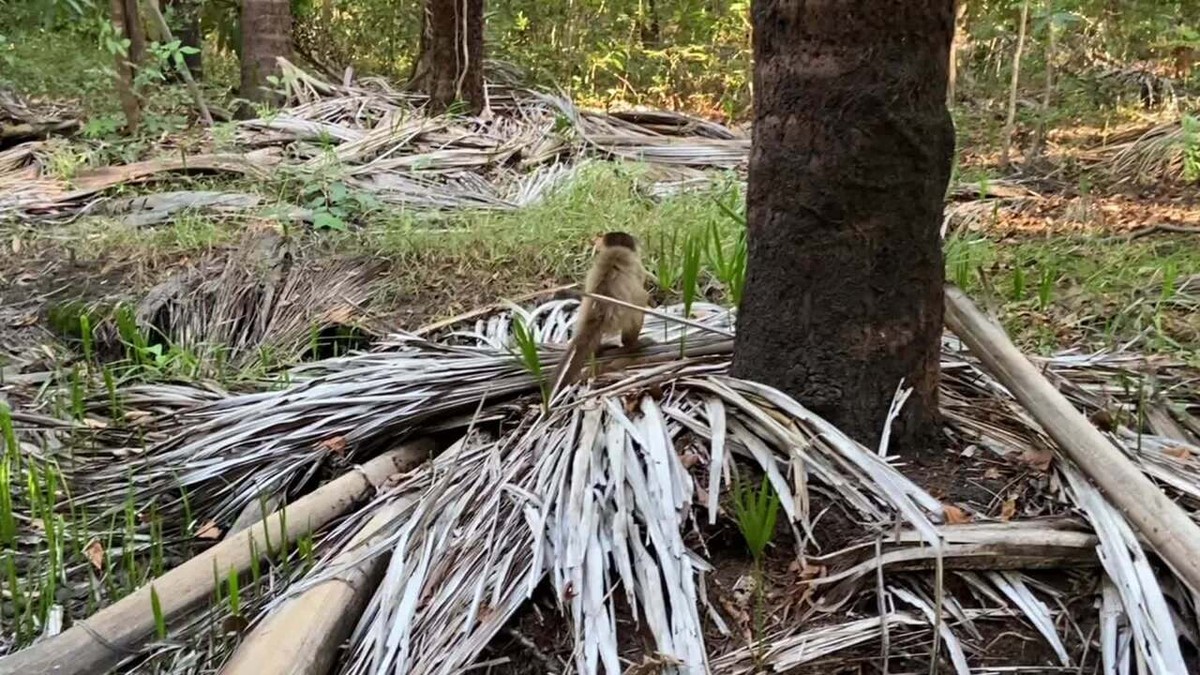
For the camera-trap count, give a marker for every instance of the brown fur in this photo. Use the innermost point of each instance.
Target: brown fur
(617, 273)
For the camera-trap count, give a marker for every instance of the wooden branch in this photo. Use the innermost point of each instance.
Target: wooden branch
(1158, 519)
(302, 636)
(1161, 227)
(18, 133)
(488, 309)
(121, 629)
(184, 71)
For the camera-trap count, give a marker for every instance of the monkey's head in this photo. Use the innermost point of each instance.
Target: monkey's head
(611, 239)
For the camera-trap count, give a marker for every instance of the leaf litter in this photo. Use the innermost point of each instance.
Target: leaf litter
(592, 500)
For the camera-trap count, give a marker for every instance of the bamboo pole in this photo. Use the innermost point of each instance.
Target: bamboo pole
(302, 636)
(1160, 521)
(119, 630)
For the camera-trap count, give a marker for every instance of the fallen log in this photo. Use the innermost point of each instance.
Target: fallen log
(119, 630)
(302, 636)
(27, 131)
(1160, 521)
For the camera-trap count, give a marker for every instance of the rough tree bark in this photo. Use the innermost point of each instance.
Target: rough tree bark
(266, 36)
(129, 100)
(450, 67)
(851, 156)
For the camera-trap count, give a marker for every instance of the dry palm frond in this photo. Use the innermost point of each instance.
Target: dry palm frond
(984, 214)
(159, 207)
(259, 305)
(381, 140)
(591, 496)
(787, 651)
(1160, 154)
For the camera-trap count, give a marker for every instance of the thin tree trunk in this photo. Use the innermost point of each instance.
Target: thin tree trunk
(266, 37)
(1011, 121)
(135, 33)
(129, 100)
(960, 30)
(450, 68)
(851, 156)
(1039, 140)
(650, 32)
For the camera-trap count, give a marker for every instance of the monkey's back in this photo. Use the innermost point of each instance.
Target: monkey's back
(617, 273)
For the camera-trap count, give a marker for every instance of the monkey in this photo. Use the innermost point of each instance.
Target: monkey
(616, 272)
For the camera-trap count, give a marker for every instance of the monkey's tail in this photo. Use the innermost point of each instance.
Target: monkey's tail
(581, 348)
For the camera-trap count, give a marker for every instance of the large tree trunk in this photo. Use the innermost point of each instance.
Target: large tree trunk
(266, 36)
(851, 156)
(129, 100)
(450, 68)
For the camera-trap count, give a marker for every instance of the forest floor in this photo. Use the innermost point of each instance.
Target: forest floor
(1077, 259)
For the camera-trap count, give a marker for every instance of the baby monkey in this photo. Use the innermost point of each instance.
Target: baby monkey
(617, 273)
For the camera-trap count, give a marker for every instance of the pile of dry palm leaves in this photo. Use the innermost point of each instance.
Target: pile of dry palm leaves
(378, 139)
(604, 500)
(22, 120)
(1156, 154)
(262, 304)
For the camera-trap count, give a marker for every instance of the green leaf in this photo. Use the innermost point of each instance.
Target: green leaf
(324, 220)
(338, 192)
(160, 619)
(756, 513)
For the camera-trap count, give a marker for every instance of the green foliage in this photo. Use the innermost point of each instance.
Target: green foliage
(10, 459)
(335, 205)
(160, 619)
(233, 593)
(1046, 287)
(756, 512)
(730, 266)
(526, 351)
(693, 248)
(666, 263)
(1190, 141)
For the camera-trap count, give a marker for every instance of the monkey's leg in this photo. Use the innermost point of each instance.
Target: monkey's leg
(631, 333)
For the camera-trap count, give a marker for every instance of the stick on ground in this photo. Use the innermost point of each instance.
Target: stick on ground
(302, 636)
(1160, 520)
(121, 629)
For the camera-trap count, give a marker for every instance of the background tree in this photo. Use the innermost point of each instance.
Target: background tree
(122, 48)
(136, 33)
(450, 67)
(266, 29)
(851, 156)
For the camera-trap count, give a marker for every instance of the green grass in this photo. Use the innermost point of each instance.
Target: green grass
(1058, 292)
(1051, 292)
